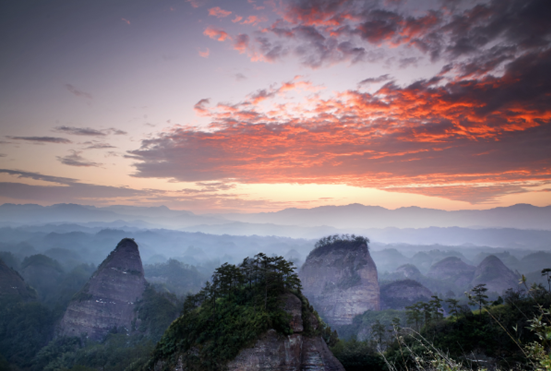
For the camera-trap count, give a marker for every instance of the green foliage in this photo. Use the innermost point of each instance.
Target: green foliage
(343, 241)
(39, 259)
(497, 331)
(357, 355)
(178, 278)
(24, 329)
(118, 352)
(156, 311)
(362, 323)
(230, 313)
(10, 260)
(477, 296)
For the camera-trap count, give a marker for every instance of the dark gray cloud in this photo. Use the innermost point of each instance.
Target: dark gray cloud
(80, 131)
(38, 176)
(374, 80)
(484, 34)
(90, 132)
(42, 139)
(100, 146)
(240, 77)
(75, 159)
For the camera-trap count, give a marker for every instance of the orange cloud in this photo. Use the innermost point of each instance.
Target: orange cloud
(471, 140)
(216, 34)
(254, 20)
(237, 19)
(204, 53)
(125, 20)
(218, 12)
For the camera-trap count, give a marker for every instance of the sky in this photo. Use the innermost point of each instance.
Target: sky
(251, 105)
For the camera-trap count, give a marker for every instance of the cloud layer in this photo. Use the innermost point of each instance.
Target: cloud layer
(471, 139)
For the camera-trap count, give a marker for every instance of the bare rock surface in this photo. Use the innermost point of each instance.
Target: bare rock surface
(341, 281)
(108, 299)
(277, 352)
(497, 277)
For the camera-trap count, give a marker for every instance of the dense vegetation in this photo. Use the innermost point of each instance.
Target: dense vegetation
(335, 242)
(231, 312)
(513, 332)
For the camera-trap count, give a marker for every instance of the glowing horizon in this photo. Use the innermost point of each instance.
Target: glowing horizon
(215, 106)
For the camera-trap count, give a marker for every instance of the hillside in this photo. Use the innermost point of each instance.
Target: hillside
(262, 322)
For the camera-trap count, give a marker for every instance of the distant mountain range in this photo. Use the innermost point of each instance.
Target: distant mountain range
(522, 226)
(354, 216)
(521, 216)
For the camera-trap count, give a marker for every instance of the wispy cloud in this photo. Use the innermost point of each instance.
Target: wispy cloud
(78, 93)
(216, 33)
(71, 130)
(219, 12)
(39, 140)
(204, 53)
(75, 159)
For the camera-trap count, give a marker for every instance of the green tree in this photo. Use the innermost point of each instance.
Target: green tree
(477, 296)
(453, 306)
(547, 274)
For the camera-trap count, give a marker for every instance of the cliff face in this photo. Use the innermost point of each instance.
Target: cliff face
(108, 299)
(340, 280)
(495, 275)
(399, 294)
(454, 270)
(12, 286)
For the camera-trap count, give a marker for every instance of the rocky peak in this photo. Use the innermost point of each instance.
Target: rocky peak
(340, 279)
(497, 277)
(107, 300)
(454, 270)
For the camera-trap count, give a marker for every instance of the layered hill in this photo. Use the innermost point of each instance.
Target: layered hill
(340, 278)
(262, 323)
(12, 286)
(497, 277)
(108, 298)
(452, 270)
(399, 294)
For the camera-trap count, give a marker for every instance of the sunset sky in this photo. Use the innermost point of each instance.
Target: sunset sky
(251, 105)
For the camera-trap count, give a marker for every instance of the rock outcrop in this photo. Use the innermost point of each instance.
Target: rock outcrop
(277, 352)
(399, 294)
(12, 286)
(274, 351)
(453, 270)
(497, 277)
(340, 280)
(108, 299)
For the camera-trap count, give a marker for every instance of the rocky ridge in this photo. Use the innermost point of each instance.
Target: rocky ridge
(108, 298)
(340, 280)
